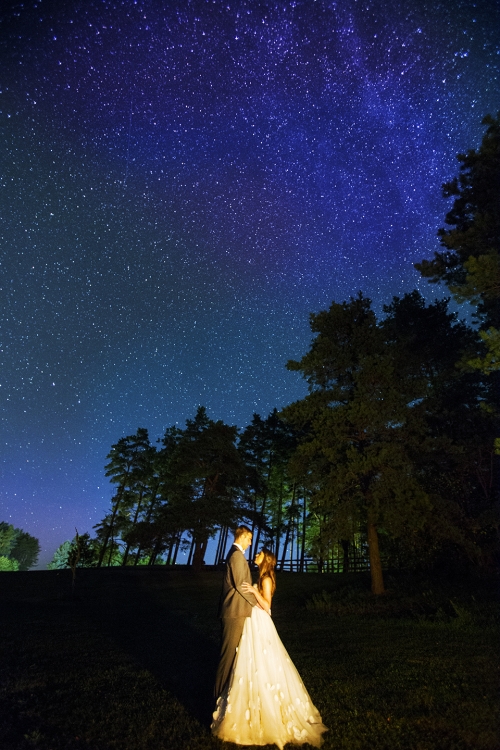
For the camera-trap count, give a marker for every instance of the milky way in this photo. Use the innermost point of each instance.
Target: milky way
(182, 183)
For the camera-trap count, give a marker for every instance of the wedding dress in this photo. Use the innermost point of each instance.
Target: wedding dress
(265, 701)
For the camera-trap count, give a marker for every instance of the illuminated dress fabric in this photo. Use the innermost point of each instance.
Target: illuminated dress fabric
(265, 701)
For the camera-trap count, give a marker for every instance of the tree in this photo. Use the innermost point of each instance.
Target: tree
(455, 460)
(25, 550)
(88, 553)
(143, 494)
(207, 469)
(266, 447)
(470, 263)
(164, 519)
(381, 407)
(18, 546)
(6, 564)
(60, 558)
(125, 469)
(8, 535)
(353, 415)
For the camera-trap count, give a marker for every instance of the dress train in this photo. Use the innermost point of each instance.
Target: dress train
(265, 701)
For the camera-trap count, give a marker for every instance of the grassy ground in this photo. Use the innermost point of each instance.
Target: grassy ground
(128, 662)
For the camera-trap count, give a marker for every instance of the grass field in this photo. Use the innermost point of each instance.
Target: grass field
(128, 661)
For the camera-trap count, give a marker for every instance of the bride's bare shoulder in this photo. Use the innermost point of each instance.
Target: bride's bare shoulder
(267, 588)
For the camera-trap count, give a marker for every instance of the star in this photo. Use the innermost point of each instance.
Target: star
(182, 184)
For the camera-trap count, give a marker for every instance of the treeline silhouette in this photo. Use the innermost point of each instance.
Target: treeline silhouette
(392, 455)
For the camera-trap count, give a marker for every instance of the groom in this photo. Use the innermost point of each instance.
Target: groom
(234, 606)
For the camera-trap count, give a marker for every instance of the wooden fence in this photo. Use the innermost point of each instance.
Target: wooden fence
(336, 565)
(357, 561)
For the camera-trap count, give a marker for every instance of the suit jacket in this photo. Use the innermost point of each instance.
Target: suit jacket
(233, 602)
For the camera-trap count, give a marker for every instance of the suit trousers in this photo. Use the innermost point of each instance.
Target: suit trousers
(232, 628)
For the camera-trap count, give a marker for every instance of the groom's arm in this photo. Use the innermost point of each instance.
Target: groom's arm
(239, 574)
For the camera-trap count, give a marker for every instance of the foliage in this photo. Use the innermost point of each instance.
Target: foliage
(387, 412)
(25, 550)
(8, 536)
(128, 461)
(470, 265)
(60, 558)
(87, 558)
(188, 486)
(7, 564)
(208, 470)
(490, 361)
(266, 446)
(19, 547)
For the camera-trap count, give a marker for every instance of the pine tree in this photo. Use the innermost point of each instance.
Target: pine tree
(124, 469)
(386, 407)
(208, 470)
(266, 447)
(470, 263)
(8, 535)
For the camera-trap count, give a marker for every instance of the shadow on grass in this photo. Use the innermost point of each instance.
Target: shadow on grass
(164, 623)
(162, 637)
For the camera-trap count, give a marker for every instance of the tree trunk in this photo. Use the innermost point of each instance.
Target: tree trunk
(170, 551)
(199, 554)
(375, 562)
(303, 541)
(278, 520)
(224, 546)
(136, 515)
(102, 551)
(291, 543)
(345, 557)
(110, 557)
(191, 550)
(252, 545)
(177, 545)
(219, 544)
(287, 535)
(259, 528)
(222, 551)
(264, 501)
(125, 554)
(155, 552)
(147, 519)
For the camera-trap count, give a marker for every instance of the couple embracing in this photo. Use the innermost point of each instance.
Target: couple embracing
(261, 699)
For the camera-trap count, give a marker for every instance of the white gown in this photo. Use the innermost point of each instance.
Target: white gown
(265, 701)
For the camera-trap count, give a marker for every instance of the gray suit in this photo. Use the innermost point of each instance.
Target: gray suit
(235, 606)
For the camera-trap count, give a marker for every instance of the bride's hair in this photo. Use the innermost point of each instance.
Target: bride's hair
(266, 569)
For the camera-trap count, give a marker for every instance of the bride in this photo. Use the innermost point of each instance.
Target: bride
(265, 701)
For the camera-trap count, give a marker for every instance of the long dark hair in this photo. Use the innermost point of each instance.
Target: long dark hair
(266, 570)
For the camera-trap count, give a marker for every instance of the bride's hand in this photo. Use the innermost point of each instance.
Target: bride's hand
(247, 588)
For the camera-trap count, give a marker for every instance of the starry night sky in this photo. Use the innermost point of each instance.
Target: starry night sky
(182, 183)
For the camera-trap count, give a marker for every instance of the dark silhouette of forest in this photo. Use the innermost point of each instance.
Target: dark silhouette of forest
(389, 461)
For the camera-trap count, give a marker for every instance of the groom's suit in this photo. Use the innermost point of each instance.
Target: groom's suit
(235, 606)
